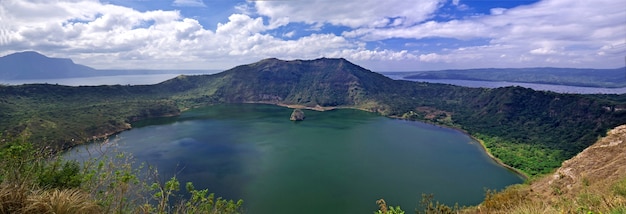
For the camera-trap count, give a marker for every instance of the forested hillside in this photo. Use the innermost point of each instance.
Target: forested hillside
(530, 130)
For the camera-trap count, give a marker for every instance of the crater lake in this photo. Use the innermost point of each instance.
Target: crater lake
(338, 161)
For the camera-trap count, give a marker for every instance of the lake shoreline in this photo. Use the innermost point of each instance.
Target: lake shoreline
(519, 172)
(329, 108)
(497, 160)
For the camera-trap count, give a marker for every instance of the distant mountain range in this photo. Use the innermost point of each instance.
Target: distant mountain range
(606, 78)
(33, 65)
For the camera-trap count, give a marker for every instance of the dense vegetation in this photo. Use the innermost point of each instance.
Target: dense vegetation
(610, 78)
(530, 130)
(32, 181)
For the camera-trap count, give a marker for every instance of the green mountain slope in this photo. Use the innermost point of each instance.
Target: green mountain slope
(326, 82)
(531, 130)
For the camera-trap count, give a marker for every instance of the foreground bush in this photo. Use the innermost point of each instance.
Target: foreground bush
(36, 181)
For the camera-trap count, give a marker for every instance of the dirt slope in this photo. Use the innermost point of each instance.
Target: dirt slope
(602, 163)
(594, 181)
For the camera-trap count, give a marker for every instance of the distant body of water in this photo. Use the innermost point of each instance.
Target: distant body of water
(338, 161)
(149, 79)
(141, 79)
(535, 86)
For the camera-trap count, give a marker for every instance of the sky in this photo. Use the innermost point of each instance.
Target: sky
(380, 35)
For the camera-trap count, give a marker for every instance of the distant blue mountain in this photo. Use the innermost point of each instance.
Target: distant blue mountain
(609, 78)
(33, 65)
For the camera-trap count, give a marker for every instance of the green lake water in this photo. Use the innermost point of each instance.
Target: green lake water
(338, 161)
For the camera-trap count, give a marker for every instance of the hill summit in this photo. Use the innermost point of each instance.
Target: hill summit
(33, 65)
(323, 82)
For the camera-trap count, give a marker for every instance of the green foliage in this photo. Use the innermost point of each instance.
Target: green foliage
(200, 201)
(35, 182)
(20, 162)
(532, 159)
(61, 175)
(384, 209)
(164, 192)
(203, 202)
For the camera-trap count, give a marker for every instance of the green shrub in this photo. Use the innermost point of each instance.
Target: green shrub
(384, 209)
(60, 174)
(34, 182)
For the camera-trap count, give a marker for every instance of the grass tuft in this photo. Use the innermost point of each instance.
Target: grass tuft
(12, 198)
(66, 201)
(619, 188)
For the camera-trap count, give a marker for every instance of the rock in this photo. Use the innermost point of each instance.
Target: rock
(297, 115)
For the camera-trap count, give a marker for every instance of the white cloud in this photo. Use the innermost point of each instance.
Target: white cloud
(188, 3)
(350, 13)
(575, 30)
(497, 11)
(558, 33)
(109, 36)
(459, 6)
(451, 29)
(543, 51)
(289, 34)
(433, 57)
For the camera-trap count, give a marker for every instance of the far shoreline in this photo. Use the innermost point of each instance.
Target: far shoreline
(519, 172)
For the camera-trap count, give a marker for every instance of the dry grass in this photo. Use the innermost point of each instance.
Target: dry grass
(382, 205)
(12, 198)
(513, 196)
(67, 201)
(592, 182)
(513, 201)
(19, 199)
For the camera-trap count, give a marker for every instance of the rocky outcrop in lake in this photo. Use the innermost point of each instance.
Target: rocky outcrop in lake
(297, 115)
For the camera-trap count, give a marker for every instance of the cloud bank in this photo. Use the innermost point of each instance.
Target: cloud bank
(555, 33)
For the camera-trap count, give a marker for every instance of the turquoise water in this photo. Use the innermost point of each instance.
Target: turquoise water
(338, 161)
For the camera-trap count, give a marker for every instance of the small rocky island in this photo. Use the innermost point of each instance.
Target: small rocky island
(297, 115)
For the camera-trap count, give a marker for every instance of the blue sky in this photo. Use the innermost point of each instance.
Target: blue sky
(391, 35)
